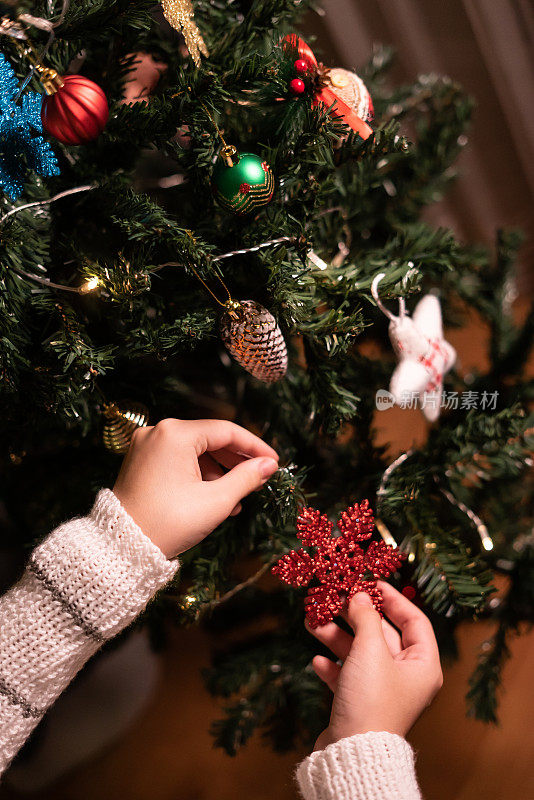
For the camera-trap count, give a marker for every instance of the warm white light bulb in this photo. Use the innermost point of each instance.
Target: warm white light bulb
(189, 600)
(89, 285)
(385, 533)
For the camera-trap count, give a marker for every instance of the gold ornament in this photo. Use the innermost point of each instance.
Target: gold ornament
(50, 80)
(121, 422)
(179, 14)
(253, 338)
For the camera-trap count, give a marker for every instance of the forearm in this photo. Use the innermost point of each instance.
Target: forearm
(369, 766)
(86, 582)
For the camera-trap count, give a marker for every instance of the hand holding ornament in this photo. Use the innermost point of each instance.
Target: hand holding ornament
(182, 478)
(391, 670)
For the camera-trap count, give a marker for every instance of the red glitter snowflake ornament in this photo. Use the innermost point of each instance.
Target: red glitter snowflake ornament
(339, 565)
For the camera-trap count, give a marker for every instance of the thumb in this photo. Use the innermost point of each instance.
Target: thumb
(243, 479)
(365, 620)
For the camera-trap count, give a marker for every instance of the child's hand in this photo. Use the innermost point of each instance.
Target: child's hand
(172, 483)
(387, 679)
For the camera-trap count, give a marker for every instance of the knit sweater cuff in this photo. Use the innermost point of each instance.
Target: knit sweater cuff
(87, 580)
(367, 766)
(103, 568)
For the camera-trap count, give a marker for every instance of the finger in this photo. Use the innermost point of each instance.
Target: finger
(415, 627)
(211, 471)
(216, 434)
(365, 621)
(392, 637)
(227, 458)
(331, 635)
(327, 671)
(138, 436)
(209, 468)
(243, 479)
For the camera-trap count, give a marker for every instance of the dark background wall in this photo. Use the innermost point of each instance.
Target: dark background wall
(488, 47)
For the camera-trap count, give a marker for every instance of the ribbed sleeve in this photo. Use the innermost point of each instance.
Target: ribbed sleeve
(368, 766)
(86, 582)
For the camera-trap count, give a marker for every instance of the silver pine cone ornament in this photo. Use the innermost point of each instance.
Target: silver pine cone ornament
(253, 338)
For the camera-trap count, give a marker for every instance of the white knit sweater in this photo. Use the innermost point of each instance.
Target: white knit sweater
(86, 582)
(368, 766)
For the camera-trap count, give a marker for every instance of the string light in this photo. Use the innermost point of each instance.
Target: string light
(392, 467)
(316, 260)
(90, 285)
(385, 533)
(93, 283)
(37, 203)
(485, 538)
(244, 250)
(189, 600)
(231, 253)
(16, 30)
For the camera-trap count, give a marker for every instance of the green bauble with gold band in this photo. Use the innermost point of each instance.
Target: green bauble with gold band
(242, 182)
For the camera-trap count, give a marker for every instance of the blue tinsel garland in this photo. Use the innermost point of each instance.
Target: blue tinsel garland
(20, 148)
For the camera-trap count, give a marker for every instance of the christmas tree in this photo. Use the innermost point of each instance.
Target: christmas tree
(123, 278)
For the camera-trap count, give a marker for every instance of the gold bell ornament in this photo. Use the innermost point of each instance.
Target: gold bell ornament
(121, 422)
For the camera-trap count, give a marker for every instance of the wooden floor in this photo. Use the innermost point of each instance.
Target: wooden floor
(168, 754)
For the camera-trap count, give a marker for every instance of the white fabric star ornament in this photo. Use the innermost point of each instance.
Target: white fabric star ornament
(423, 354)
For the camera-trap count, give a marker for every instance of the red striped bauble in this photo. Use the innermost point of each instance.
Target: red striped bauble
(77, 112)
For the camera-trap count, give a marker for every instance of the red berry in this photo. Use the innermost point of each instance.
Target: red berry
(297, 86)
(409, 592)
(301, 66)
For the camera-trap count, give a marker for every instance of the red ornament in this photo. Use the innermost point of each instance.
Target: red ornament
(297, 86)
(340, 566)
(409, 592)
(77, 112)
(324, 92)
(301, 66)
